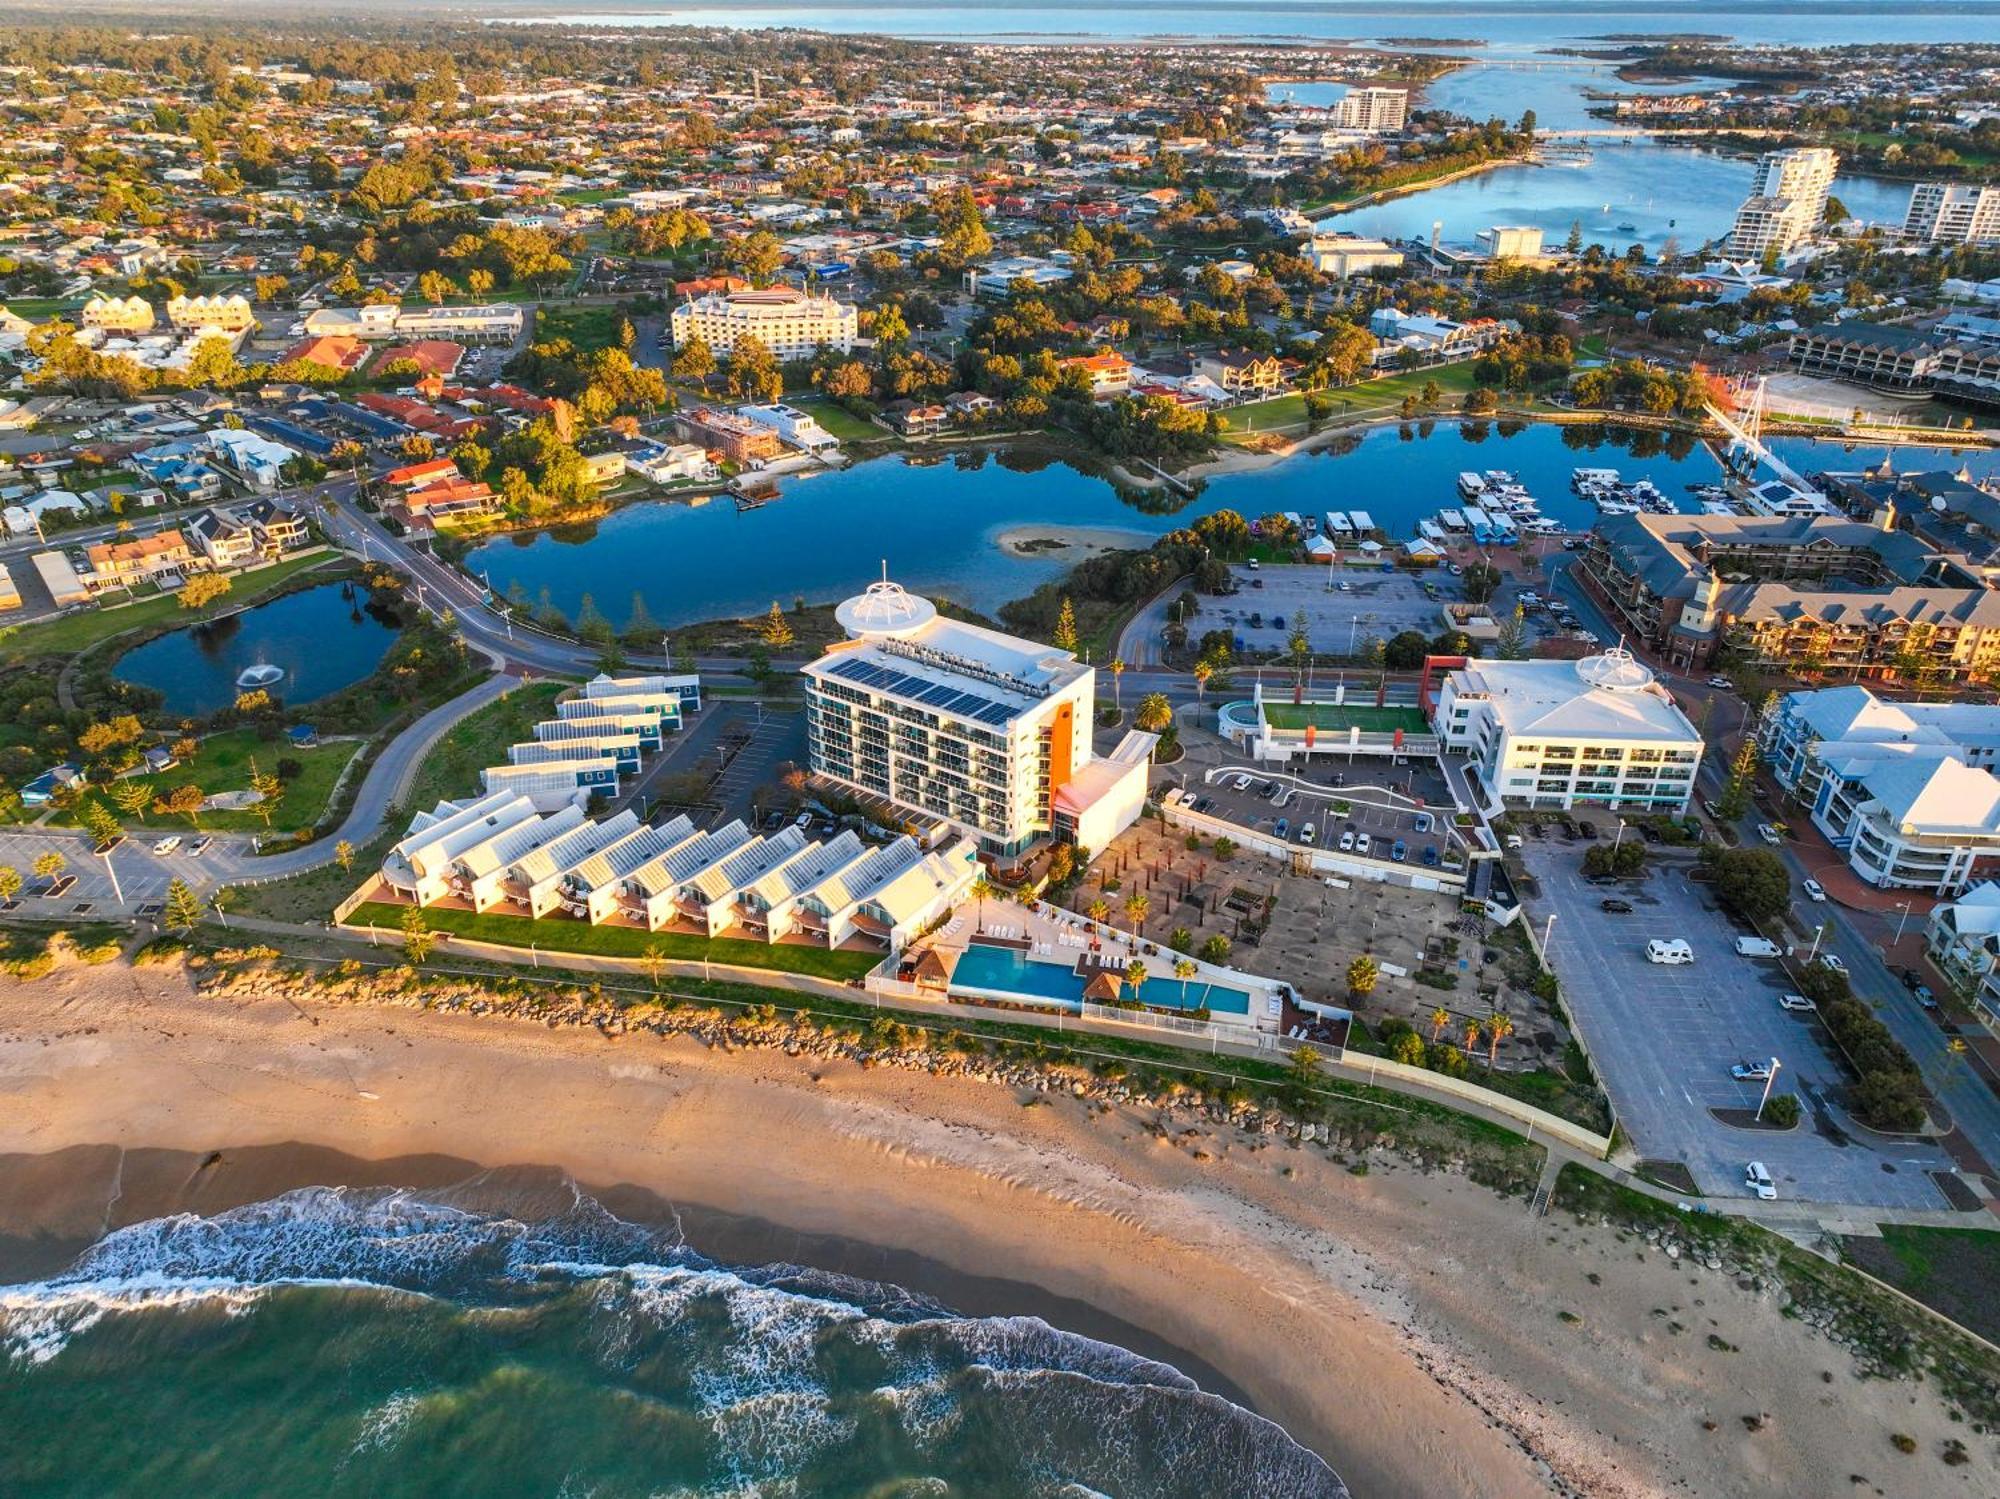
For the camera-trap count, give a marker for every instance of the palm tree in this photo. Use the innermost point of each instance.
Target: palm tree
(982, 887)
(1135, 975)
(1179, 938)
(1471, 1035)
(1098, 909)
(654, 961)
(1362, 974)
(1440, 1018)
(1137, 904)
(1498, 1029)
(1184, 969)
(1201, 672)
(1117, 671)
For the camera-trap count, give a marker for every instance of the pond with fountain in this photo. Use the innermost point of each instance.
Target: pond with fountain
(301, 647)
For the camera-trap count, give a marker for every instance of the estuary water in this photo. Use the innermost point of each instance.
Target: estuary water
(939, 524)
(375, 1342)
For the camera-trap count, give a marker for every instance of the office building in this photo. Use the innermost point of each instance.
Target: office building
(984, 732)
(1905, 790)
(1345, 255)
(790, 323)
(1558, 734)
(1787, 202)
(1953, 213)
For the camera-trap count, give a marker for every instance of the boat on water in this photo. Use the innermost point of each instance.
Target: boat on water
(1337, 524)
(1452, 520)
(1579, 477)
(1628, 228)
(1363, 522)
(1470, 485)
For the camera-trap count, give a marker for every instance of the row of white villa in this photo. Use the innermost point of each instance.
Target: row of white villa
(594, 738)
(498, 853)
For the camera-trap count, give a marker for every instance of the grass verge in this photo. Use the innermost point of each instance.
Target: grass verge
(624, 942)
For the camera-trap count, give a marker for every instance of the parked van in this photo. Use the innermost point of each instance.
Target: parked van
(1674, 951)
(1756, 947)
(1758, 1180)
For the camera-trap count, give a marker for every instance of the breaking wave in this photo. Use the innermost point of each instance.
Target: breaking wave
(674, 1375)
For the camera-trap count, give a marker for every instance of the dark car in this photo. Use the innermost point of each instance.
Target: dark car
(1430, 853)
(1400, 851)
(1616, 906)
(1650, 833)
(1586, 831)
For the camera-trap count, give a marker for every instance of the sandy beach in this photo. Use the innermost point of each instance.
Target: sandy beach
(1408, 1326)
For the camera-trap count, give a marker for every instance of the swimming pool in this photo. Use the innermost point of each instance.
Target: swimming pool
(1006, 971)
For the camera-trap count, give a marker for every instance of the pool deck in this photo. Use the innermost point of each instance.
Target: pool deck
(1047, 934)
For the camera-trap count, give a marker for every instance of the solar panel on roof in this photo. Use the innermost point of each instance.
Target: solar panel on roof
(937, 696)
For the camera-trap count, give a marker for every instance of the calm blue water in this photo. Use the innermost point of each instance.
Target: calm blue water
(377, 1344)
(324, 642)
(1505, 25)
(937, 526)
(1555, 94)
(1008, 971)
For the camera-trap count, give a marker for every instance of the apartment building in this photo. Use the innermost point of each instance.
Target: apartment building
(736, 439)
(1953, 213)
(1372, 109)
(221, 314)
(798, 428)
(985, 732)
(790, 323)
(1787, 202)
(1559, 734)
(1345, 255)
(1905, 790)
(120, 315)
(1802, 592)
(1962, 937)
(1883, 355)
(1241, 372)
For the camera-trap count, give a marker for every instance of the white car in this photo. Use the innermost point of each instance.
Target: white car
(1361, 842)
(1308, 833)
(1832, 960)
(1815, 890)
(1794, 1002)
(1721, 683)
(1347, 843)
(1769, 834)
(1758, 1180)
(1241, 783)
(167, 844)
(1751, 1072)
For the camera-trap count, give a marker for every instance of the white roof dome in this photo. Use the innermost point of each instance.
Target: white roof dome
(1616, 670)
(884, 609)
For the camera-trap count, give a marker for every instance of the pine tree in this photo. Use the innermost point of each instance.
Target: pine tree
(1065, 632)
(590, 621)
(183, 907)
(777, 630)
(270, 791)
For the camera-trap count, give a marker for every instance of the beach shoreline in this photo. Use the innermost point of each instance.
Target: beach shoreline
(1404, 1324)
(1054, 542)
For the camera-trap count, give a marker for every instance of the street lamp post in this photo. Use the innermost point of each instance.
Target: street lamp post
(1620, 838)
(1819, 932)
(116, 894)
(1547, 927)
(1904, 907)
(1769, 1079)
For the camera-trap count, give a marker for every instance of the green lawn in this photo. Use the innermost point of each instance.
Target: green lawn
(224, 765)
(73, 633)
(623, 941)
(1951, 1270)
(841, 422)
(1287, 413)
(587, 327)
(452, 767)
(1340, 718)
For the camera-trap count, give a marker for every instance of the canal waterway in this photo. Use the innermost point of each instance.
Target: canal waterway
(321, 639)
(939, 525)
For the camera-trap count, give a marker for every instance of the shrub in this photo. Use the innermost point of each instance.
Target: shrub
(1782, 1110)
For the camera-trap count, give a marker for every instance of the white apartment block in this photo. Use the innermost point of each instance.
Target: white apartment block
(799, 428)
(1953, 214)
(985, 732)
(1786, 204)
(1906, 790)
(790, 323)
(500, 323)
(1557, 734)
(1375, 109)
(1345, 255)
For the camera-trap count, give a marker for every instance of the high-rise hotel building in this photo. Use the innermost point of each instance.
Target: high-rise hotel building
(952, 722)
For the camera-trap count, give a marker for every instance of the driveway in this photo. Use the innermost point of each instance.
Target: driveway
(1664, 1038)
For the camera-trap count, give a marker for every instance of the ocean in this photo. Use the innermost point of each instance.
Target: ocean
(381, 1342)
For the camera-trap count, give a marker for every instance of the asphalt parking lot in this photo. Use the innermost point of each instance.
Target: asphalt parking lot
(1310, 797)
(1664, 1037)
(1341, 609)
